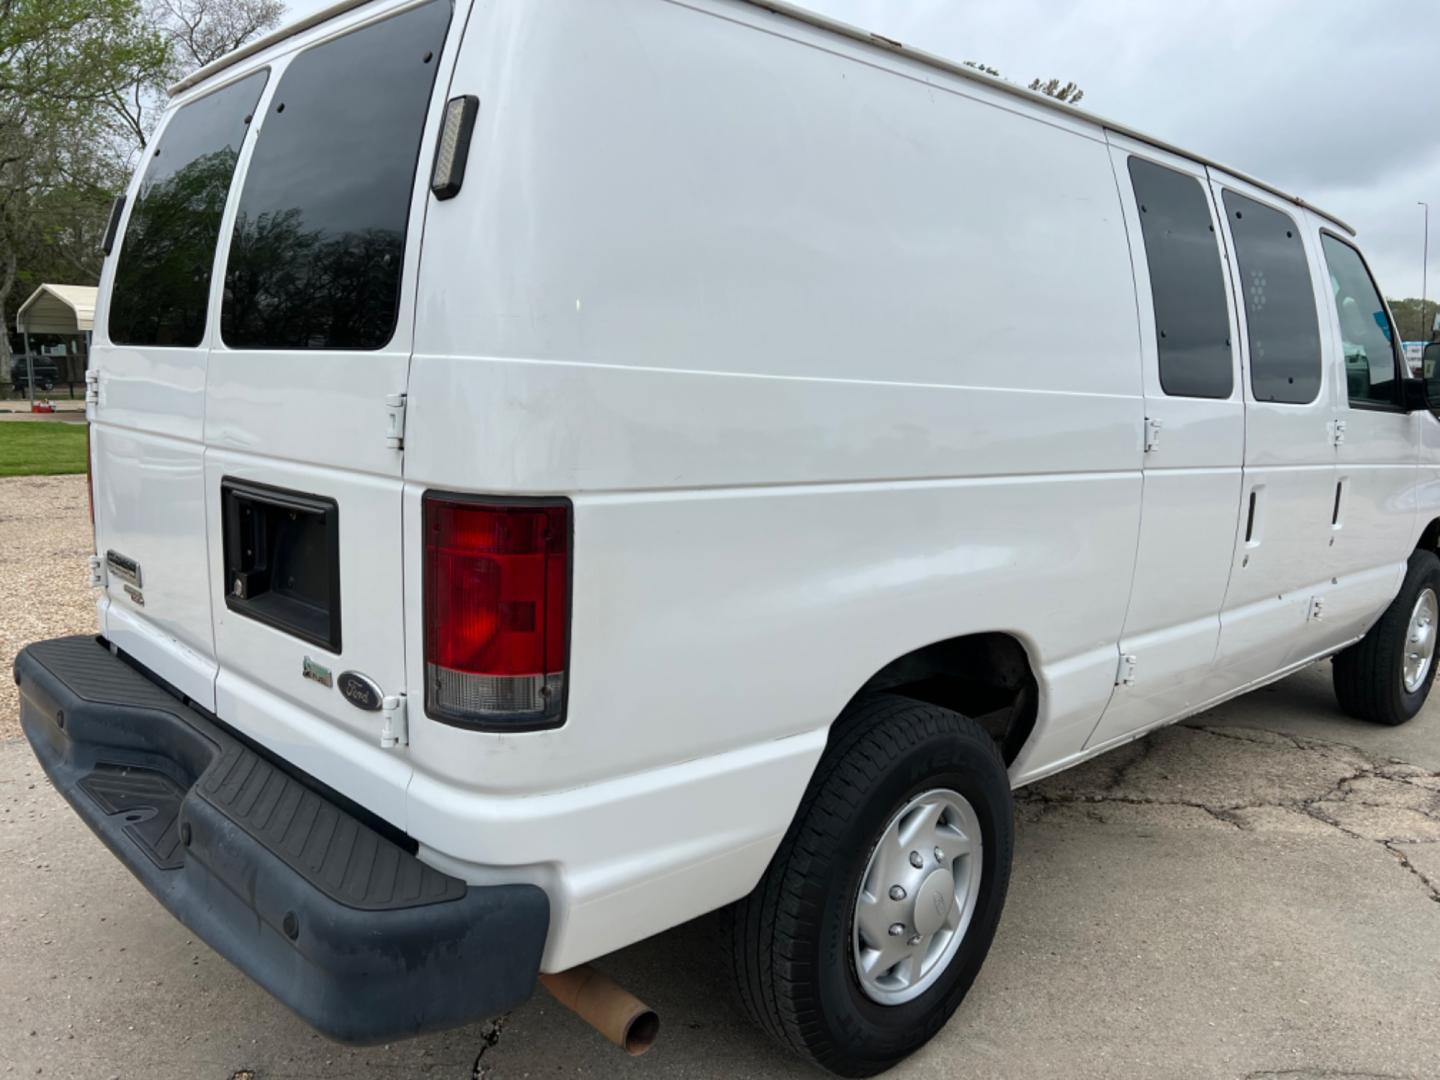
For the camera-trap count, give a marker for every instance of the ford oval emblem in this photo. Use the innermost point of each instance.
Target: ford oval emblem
(359, 690)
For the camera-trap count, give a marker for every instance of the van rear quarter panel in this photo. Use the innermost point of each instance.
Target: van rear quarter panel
(836, 356)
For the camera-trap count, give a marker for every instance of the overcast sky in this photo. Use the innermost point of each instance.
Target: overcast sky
(1335, 100)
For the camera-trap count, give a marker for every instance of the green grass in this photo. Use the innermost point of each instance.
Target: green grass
(41, 448)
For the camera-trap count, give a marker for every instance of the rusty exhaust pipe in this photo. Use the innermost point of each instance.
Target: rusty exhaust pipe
(614, 1012)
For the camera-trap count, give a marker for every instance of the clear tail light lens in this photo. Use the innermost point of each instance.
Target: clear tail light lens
(497, 606)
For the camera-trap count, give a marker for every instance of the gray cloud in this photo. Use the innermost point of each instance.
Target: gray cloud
(1334, 100)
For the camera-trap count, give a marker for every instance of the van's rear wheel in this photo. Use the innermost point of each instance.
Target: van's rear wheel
(1386, 676)
(880, 905)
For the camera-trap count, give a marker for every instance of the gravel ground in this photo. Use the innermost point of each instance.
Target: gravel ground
(45, 540)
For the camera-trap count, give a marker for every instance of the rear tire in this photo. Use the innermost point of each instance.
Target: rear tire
(795, 943)
(1376, 678)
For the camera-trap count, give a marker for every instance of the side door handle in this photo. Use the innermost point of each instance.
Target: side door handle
(1255, 517)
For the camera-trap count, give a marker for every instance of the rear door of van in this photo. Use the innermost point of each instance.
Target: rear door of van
(304, 397)
(148, 360)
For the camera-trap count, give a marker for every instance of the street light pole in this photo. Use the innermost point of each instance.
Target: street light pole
(1424, 271)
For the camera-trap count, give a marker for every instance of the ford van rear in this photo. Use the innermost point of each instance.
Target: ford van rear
(561, 470)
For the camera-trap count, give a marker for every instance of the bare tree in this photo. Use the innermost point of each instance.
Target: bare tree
(195, 33)
(129, 102)
(205, 30)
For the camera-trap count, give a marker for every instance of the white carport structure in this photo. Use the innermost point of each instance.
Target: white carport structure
(66, 310)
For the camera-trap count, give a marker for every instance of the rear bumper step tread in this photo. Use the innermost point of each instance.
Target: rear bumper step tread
(338, 921)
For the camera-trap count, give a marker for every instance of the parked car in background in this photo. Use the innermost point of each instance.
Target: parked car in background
(47, 374)
(611, 475)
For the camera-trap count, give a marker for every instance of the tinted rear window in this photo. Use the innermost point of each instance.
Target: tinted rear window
(319, 238)
(1281, 322)
(162, 280)
(1187, 283)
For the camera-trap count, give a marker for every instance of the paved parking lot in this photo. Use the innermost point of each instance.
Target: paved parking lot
(1253, 895)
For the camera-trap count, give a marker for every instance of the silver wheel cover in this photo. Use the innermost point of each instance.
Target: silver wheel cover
(916, 896)
(1420, 641)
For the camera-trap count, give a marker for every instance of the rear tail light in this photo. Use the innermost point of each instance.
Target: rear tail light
(497, 583)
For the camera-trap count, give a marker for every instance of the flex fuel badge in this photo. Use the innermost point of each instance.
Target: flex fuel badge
(311, 670)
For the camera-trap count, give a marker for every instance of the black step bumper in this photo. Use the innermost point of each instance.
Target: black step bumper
(326, 911)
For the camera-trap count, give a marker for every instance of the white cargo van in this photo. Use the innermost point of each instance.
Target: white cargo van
(562, 469)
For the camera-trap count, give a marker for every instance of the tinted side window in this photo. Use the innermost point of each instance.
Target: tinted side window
(319, 239)
(1370, 356)
(1187, 283)
(1280, 318)
(162, 281)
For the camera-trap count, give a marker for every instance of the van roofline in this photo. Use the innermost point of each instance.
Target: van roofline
(789, 10)
(289, 30)
(855, 33)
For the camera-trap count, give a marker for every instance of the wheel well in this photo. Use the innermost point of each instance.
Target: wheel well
(1430, 538)
(985, 676)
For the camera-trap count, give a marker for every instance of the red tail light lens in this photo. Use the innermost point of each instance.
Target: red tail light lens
(497, 582)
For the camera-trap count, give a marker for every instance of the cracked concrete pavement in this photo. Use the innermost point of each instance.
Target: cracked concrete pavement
(1253, 895)
(1261, 782)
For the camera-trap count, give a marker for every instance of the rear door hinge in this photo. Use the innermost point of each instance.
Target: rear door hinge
(395, 421)
(396, 730)
(1337, 431)
(92, 392)
(1317, 609)
(97, 572)
(1152, 433)
(1125, 673)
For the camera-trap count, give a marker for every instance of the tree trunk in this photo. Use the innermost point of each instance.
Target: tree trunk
(7, 282)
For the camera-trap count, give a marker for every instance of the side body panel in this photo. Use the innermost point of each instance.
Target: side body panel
(804, 410)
